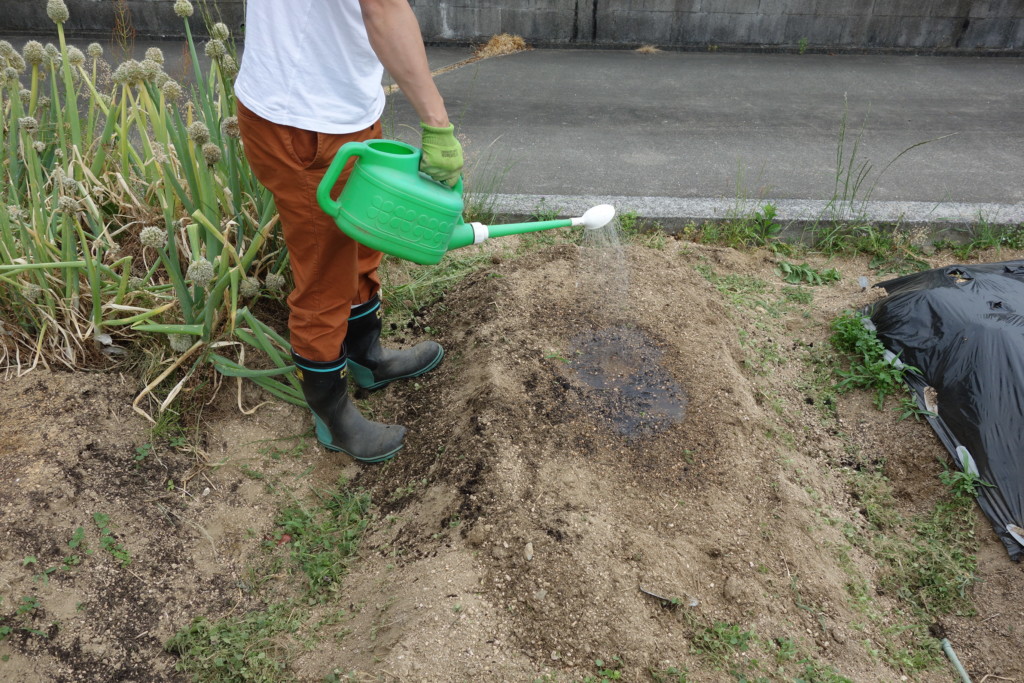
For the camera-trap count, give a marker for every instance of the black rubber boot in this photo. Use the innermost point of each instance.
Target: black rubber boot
(373, 366)
(339, 424)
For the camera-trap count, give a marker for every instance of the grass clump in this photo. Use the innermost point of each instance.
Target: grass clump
(749, 657)
(927, 561)
(322, 538)
(890, 250)
(640, 231)
(316, 539)
(758, 228)
(932, 564)
(983, 236)
(245, 648)
(719, 641)
(412, 288)
(745, 291)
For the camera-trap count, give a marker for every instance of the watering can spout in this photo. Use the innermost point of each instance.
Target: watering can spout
(475, 233)
(388, 205)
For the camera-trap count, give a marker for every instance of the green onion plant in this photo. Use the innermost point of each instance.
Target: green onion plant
(128, 214)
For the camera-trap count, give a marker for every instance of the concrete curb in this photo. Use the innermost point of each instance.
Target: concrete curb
(675, 213)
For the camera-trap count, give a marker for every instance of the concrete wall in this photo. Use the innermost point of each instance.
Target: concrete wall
(852, 24)
(861, 24)
(149, 18)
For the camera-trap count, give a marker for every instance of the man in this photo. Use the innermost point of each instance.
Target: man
(310, 81)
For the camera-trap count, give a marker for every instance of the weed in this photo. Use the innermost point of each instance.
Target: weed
(802, 45)
(766, 354)
(124, 30)
(337, 676)
(787, 650)
(251, 473)
(789, 657)
(142, 452)
(804, 274)
(293, 448)
(317, 538)
(891, 250)
(756, 229)
(27, 604)
(929, 559)
(638, 231)
(401, 492)
(720, 640)
(630, 223)
(869, 365)
(412, 287)
(765, 229)
(544, 212)
(483, 176)
(236, 649)
(672, 674)
(874, 493)
(798, 295)
(853, 177)
(984, 235)
(322, 539)
(108, 542)
(77, 538)
(813, 672)
(963, 484)
(610, 670)
(740, 290)
(910, 408)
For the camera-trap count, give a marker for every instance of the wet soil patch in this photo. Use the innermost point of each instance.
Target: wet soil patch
(628, 386)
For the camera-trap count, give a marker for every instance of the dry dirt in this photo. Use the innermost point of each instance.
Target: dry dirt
(583, 442)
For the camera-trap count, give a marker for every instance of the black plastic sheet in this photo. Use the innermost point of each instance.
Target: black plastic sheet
(962, 327)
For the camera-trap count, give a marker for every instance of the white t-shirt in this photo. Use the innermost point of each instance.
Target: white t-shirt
(309, 64)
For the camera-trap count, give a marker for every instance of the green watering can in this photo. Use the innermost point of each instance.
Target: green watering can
(388, 205)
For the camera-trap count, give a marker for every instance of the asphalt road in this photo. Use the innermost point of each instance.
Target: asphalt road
(690, 135)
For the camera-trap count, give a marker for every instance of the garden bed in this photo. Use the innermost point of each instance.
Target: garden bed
(527, 531)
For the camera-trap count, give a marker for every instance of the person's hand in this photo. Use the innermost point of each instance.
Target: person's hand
(442, 154)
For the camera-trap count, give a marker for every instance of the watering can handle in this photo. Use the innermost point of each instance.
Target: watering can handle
(323, 191)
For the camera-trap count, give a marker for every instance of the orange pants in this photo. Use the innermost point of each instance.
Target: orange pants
(331, 271)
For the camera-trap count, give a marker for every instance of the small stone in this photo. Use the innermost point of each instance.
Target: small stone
(735, 590)
(476, 536)
(528, 552)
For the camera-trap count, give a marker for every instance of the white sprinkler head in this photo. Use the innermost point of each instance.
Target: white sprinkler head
(598, 216)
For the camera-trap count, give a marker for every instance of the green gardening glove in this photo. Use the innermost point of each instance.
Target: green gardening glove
(442, 154)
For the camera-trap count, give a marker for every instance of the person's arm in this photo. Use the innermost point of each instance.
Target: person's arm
(395, 36)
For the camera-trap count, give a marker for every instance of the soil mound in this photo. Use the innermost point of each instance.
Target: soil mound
(588, 477)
